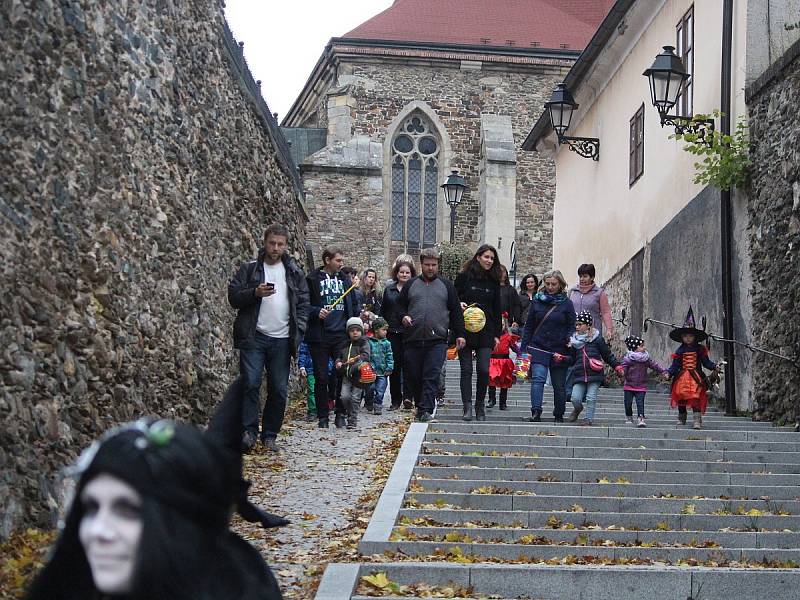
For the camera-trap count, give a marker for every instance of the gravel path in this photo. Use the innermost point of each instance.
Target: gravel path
(326, 483)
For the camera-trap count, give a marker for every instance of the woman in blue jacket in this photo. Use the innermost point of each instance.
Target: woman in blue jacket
(548, 327)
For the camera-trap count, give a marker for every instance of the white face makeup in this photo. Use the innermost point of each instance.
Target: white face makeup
(110, 532)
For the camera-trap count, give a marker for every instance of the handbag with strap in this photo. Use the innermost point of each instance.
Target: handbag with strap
(595, 364)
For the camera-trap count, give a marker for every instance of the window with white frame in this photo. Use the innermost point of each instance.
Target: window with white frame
(685, 46)
(415, 183)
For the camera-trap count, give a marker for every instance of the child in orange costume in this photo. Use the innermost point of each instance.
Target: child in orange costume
(501, 367)
(689, 383)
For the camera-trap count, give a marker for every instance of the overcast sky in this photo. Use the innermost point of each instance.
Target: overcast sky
(284, 39)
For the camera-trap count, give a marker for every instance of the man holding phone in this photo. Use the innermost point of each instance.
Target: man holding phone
(271, 294)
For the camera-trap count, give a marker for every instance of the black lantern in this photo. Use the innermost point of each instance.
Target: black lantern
(561, 106)
(454, 188)
(667, 79)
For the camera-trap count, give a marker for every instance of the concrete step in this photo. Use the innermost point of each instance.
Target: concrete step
(571, 520)
(566, 582)
(593, 475)
(661, 466)
(610, 498)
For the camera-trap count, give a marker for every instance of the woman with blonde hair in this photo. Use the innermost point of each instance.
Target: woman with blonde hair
(548, 327)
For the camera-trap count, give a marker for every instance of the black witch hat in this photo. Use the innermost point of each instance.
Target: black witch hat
(689, 326)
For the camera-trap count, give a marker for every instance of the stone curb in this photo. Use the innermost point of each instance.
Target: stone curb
(393, 495)
(338, 582)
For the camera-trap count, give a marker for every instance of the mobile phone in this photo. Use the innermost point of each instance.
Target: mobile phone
(269, 285)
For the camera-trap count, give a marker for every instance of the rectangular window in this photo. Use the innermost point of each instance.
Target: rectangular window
(685, 50)
(636, 149)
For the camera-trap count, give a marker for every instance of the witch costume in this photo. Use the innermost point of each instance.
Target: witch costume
(190, 484)
(689, 382)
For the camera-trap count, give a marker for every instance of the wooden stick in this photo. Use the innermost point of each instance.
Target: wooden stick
(350, 289)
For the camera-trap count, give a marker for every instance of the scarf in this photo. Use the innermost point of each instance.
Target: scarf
(550, 298)
(579, 340)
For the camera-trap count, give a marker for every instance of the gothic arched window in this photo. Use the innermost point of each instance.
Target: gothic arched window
(415, 183)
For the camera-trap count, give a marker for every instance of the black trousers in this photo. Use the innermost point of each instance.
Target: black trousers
(482, 356)
(326, 385)
(398, 388)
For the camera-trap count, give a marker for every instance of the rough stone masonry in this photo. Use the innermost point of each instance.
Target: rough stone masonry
(136, 173)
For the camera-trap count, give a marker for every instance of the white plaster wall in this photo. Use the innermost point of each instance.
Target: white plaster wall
(595, 207)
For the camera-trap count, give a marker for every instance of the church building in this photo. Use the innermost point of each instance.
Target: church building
(424, 88)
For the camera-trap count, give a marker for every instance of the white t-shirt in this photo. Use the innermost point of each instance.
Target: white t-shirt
(273, 315)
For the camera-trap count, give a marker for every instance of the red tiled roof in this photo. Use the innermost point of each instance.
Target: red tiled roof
(550, 23)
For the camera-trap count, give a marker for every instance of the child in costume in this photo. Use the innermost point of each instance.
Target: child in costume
(353, 354)
(501, 367)
(590, 352)
(636, 364)
(382, 361)
(689, 383)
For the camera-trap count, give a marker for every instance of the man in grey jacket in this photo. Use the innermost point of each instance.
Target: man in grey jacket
(427, 305)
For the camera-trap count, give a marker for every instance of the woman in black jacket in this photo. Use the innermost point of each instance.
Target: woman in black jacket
(509, 299)
(478, 283)
(402, 272)
(527, 290)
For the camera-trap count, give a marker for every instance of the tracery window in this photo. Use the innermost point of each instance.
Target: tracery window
(415, 183)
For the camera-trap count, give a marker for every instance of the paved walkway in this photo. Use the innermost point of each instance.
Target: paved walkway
(511, 509)
(325, 483)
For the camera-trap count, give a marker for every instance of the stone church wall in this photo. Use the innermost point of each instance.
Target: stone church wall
(380, 91)
(137, 173)
(774, 208)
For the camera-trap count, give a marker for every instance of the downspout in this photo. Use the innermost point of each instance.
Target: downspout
(726, 213)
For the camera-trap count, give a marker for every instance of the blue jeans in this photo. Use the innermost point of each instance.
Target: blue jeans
(630, 396)
(582, 390)
(378, 390)
(422, 370)
(273, 355)
(557, 377)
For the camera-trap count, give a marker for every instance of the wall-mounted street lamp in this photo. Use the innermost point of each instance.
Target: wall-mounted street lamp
(561, 106)
(454, 188)
(667, 78)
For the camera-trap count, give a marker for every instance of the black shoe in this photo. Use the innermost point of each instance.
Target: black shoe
(271, 444)
(536, 416)
(369, 407)
(559, 419)
(503, 405)
(248, 441)
(323, 424)
(352, 423)
(480, 417)
(378, 410)
(491, 403)
(394, 407)
(480, 412)
(339, 421)
(408, 404)
(424, 417)
(467, 416)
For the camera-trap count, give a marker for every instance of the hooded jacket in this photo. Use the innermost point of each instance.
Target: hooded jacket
(242, 296)
(636, 365)
(323, 290)
(597, 348)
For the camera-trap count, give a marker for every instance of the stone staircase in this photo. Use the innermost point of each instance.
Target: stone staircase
(511, 509)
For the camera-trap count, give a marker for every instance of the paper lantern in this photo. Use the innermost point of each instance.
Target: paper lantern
(474, 319)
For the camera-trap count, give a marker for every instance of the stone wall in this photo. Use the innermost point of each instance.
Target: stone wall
(137, 172)
(368, 97)
(774, 106)
(682, 266)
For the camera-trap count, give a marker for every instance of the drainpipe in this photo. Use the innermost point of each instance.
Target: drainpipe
(726, 213)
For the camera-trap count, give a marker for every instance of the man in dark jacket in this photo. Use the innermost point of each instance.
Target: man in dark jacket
(428, 304)
(327, 326)
(271, 295)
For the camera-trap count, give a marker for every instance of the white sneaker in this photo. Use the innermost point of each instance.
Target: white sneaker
(641, 422)
(629, 420)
